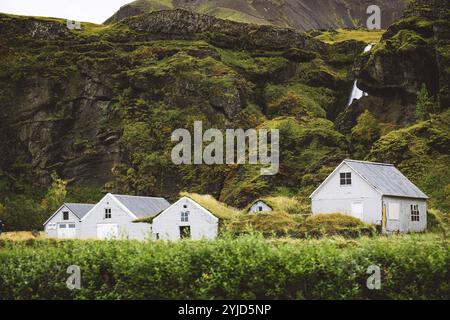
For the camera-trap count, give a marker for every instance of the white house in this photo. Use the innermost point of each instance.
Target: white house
(185, 219)
(66, 221)
(376, 193)
(114, 216)
(260, 206)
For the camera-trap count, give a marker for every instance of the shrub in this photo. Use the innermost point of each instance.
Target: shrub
(268, 223)
(335, 224)
(437, 221)
(245, 268)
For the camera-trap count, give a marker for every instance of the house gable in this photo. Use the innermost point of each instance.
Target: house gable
(332, 189)
(58, 216)
(191, 202)
(254, 207)
(97, 209)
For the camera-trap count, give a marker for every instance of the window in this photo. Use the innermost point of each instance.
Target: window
(66, 215)
(260, 208)
(185, 216)
(185, 206)
(346, 178)
(72, 226)
(415, 215)
(62, 226)
(108, 214)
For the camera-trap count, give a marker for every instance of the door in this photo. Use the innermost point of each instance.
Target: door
(67, 230)
(185, 232)
(107, 231)
(357, 210)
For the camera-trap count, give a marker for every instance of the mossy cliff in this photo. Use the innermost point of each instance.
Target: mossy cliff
(98, 105)
(414, 51)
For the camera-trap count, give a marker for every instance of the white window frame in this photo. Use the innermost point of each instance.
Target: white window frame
(347, 179)
(108, 213)
(184, 216)
(415, 213)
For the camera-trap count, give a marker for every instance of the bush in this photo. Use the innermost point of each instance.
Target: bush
(437, 221)
(244, 268)
(335, 225)
(267, 223)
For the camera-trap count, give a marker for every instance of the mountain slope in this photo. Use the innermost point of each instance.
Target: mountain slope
(98, 106)
(302, 15)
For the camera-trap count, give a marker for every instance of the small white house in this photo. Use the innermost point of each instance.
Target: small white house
(185, 219)
(65, 223)
(260, 206)
(376, 193)
(114, 217)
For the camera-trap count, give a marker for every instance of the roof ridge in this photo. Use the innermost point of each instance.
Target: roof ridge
(369, 162)
(125, 195)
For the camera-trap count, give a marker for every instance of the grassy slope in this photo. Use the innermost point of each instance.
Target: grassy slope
(341, 35)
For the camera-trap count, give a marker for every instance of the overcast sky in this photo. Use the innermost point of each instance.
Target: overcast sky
(95, 11)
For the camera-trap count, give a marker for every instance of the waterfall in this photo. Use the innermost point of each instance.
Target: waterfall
(356, 92)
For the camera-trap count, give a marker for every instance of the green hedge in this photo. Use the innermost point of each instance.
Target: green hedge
(413, 267)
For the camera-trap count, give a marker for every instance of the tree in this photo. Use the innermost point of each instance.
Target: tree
(367, 129)
(424, 105)
(56, 194)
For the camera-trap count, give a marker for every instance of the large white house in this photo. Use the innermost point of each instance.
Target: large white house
(376, 193)
(185, 219)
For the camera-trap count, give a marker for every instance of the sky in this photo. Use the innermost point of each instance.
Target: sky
(96, 11)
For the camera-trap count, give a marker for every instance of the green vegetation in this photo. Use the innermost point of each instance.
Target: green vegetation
(335, 225)
(424, 105)
(220, 210)
(340, 35)
(421, 153)
(245, 268)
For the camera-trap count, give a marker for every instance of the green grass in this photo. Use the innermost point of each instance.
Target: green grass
(369, 36)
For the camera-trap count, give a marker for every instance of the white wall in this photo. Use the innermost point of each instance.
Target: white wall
(202, 223)
(58, 218)
(120, 216)
(404, 223)
(334, 198)
(254, 207)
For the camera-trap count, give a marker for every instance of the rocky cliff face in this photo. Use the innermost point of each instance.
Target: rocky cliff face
(98, 105)
(302, 15)
(413, 52)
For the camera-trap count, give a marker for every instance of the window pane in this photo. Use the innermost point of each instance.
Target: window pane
(348, 175)
(342, 175)
(62, 226)
(342, 182)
